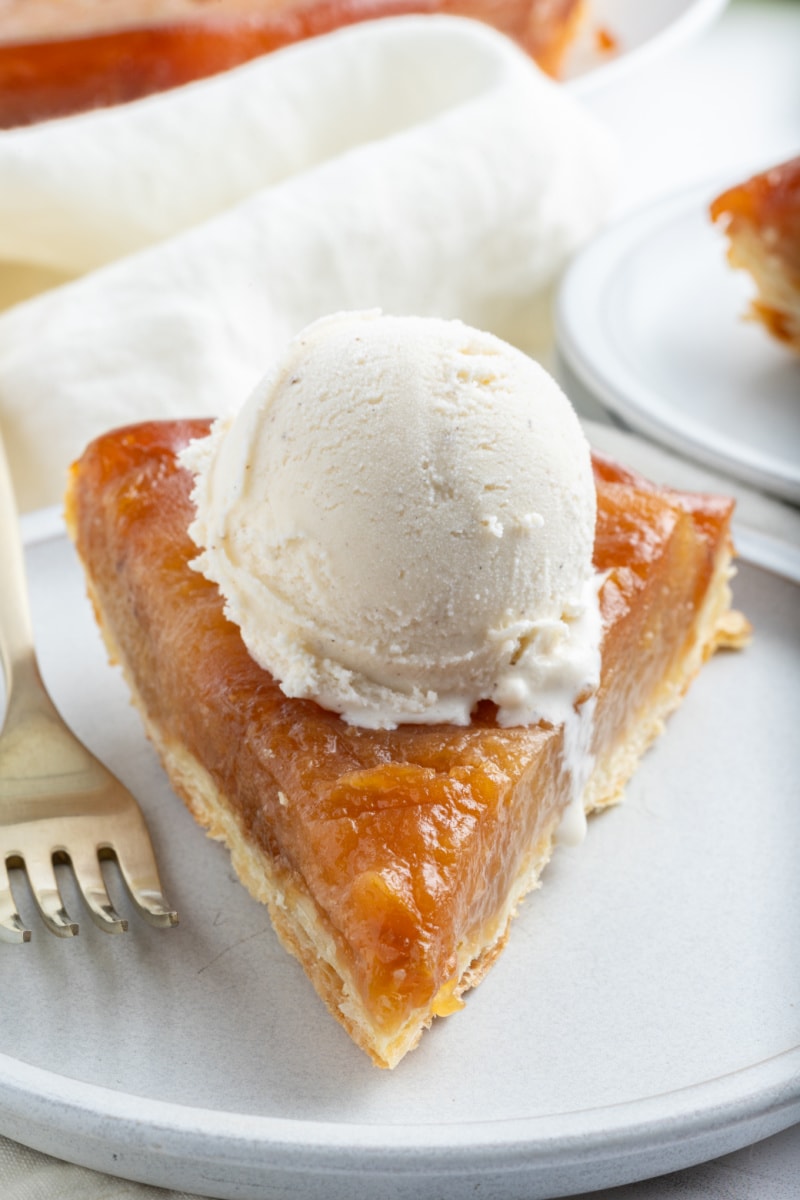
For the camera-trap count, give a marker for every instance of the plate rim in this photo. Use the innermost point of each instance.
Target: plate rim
(768, 1091)
(584, 284)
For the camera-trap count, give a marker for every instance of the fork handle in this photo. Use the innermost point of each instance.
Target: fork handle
(17, 653)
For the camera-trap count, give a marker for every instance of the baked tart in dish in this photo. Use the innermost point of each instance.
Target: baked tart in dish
(59, 57)
(391, 860)
(761, 219)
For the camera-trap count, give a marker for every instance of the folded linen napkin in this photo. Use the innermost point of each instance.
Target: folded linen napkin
(420, 165)
(77, 193)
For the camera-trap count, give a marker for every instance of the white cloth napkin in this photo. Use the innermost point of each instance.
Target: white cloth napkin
(81, 192)
(420, 165)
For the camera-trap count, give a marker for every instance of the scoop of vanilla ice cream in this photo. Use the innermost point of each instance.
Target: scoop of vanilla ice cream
(401, 521)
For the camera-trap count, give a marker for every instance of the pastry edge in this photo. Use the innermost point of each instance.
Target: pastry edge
(775, 303)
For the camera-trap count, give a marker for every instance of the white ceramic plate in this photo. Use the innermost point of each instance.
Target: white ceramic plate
(642, 1019)
(650, 320)
(639, 31)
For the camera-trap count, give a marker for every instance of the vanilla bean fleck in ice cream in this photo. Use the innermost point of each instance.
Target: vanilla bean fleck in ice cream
(401, 522)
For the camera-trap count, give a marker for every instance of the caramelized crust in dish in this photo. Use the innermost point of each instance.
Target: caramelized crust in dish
(761, 218)
(65, 56)
(391, 861)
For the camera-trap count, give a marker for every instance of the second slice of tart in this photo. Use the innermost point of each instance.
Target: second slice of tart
(761, 219)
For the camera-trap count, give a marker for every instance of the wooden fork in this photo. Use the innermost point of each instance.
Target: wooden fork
(57, 801)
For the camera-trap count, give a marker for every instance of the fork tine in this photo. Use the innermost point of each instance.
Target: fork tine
(138, 868)
(86, 868)
(44, 885)
(11, 926)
